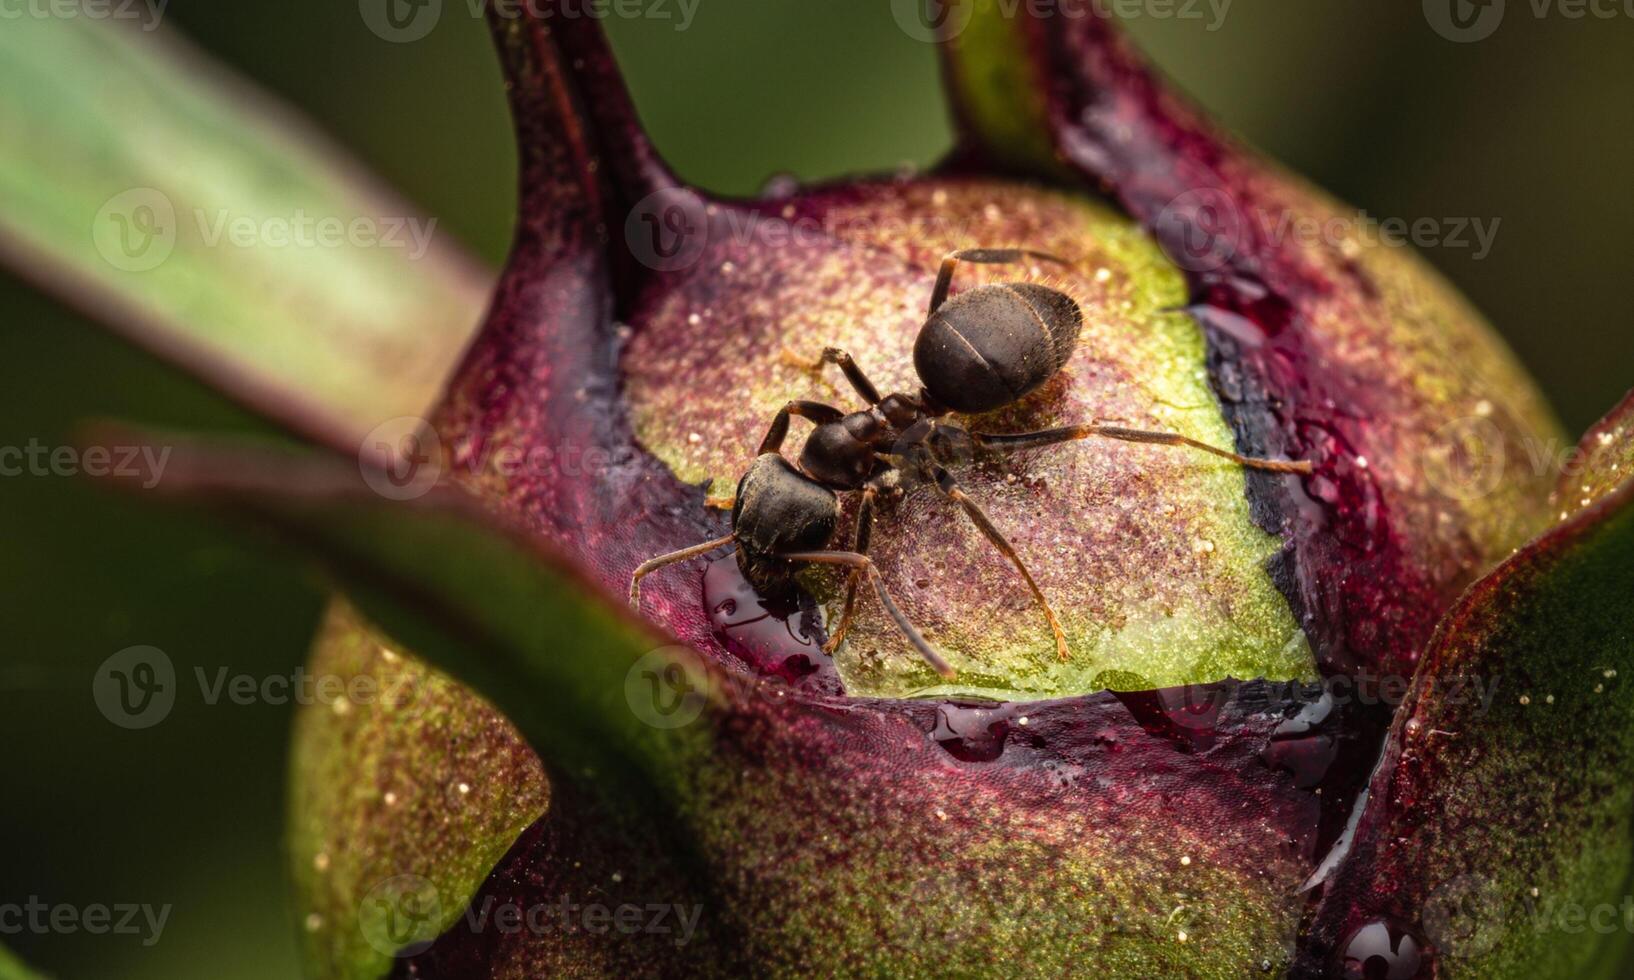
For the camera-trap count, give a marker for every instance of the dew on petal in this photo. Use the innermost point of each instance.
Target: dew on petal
(1383, 950)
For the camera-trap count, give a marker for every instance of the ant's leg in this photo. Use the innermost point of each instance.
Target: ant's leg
(1049, 437)
(984, 256)
(833, 355)
(859, 544)
(648, 567)
(817, 412)
(864, 565)
(947, 485)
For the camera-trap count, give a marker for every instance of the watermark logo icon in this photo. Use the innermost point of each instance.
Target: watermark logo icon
(1200, 230)
(931, 20)
(668, 229)
(1464, 21)
(666, 688)
(1466, 458)
(1194, 707)
(401, 916)
(401, 458)
(135, 231)
(950, 446)
(401, 21)
(1463, 916)
(136, 687)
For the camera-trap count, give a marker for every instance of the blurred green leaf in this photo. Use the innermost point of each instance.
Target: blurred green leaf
(186, 210)
(12, 968)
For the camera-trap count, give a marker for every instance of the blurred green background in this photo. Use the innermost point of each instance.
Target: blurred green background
(1533, 127)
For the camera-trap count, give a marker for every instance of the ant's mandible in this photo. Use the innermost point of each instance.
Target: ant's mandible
(982, 350)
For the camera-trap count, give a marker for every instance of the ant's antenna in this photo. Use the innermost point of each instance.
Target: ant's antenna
(652, 565)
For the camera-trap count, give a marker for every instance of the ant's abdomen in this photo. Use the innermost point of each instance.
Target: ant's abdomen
(994, 345)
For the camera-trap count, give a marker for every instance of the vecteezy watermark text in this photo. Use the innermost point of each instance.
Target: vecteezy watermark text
(35, 458)
(1468, 915)
(403, 458)
(41, 918)
(404, 21)
(1204, 228)
(300, 686)
(137, 688)
(675, 228)
(1466, 21)
(403, 916)
(941, 20)
(148, 13)
(566, 916)
(137, 230)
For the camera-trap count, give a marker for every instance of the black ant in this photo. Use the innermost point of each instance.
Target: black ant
(983, 350)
